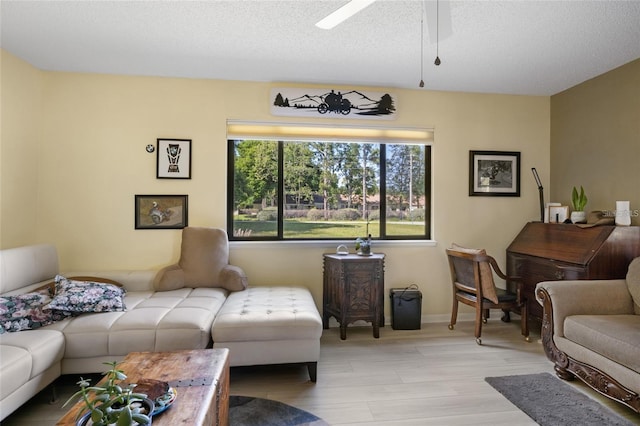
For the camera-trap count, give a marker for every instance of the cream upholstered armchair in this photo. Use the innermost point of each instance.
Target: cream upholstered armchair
(204, 262)
(591, 331)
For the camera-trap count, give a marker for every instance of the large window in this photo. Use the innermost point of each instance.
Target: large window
(293, 190)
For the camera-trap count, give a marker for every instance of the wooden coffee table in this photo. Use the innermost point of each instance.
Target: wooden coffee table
(200, 378)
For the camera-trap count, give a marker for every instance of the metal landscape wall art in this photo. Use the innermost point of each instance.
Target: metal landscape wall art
(331, 103)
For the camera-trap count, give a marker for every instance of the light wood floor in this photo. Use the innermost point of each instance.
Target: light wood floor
(431, 376)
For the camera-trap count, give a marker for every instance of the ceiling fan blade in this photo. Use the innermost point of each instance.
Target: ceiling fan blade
(342, 14)
(438, 19)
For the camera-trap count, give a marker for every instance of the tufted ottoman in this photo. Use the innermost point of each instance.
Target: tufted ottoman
(270, 325)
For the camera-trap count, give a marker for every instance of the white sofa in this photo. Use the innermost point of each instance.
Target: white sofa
(153, 321)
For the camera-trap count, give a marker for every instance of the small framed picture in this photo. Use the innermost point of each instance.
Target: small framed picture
(558, 214)
(494, 173)
(546, 210)
(174, 159)
(161, 211)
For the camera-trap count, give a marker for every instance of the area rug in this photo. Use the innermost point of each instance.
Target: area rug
(248, 411)
(551, 402)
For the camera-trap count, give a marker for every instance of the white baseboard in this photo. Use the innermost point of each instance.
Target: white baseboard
(432, 319)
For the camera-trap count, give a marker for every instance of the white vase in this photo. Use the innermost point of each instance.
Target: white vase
(578, 217)
(623, 214)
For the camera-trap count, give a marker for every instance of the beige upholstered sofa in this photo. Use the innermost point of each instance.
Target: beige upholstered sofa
(591, 330)
(162, 314)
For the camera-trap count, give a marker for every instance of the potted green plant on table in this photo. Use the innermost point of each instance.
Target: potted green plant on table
(112, 403)
(578, 200)
(363, 246)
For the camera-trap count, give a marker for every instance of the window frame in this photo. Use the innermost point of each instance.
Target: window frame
(280, 237)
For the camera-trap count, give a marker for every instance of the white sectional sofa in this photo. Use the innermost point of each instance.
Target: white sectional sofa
(284, 317)
(174, 319)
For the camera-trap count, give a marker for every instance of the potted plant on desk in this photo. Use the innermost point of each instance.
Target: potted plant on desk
(111, 403)
(578, 200)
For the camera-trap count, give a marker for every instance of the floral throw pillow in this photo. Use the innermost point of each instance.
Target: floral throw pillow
(28, 312)
(87, 296)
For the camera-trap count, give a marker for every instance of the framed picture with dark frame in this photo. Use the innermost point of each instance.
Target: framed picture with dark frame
(558, 214)
(161, 211)
(494, 173)
(174, 159)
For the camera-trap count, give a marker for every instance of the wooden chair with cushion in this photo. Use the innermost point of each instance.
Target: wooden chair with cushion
(473, 285)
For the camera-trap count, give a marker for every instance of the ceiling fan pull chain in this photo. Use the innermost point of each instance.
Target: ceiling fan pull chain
(437, 61)
(421, 84)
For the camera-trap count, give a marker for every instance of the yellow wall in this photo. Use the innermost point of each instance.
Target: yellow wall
(595, 140)
(92, 160)
(21, 113)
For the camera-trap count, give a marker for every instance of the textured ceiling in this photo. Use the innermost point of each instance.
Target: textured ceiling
(515, 47)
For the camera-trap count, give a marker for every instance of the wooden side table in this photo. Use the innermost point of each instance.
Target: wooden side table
(353, 289)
